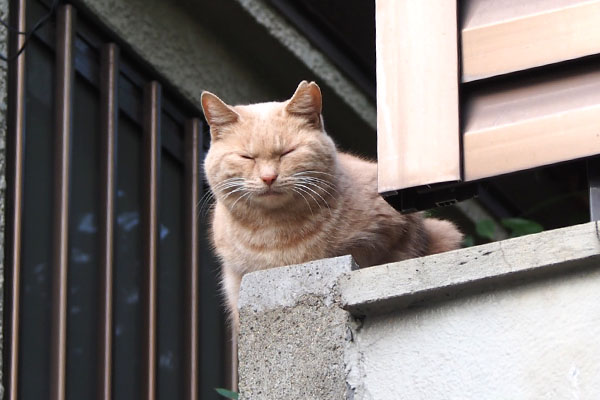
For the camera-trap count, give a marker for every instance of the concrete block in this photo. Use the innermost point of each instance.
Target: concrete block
(517, 319)
(393, 286)
(293, 334)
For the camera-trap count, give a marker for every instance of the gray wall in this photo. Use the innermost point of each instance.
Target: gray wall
(516, 319)
(240, 50)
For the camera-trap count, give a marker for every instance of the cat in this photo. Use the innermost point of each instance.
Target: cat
(285, 195)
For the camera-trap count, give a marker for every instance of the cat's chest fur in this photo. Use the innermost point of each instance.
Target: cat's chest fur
(270, 243)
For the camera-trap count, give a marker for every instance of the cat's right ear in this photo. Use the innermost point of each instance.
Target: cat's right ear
(216, 112)
(307, 103)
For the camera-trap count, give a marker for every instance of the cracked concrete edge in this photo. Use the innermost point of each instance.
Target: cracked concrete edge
(354, 363)
(293, 331)
(285, 286)
(397, 285)
(313, 58)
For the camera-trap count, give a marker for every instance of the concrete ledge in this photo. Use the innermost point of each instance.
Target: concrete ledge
(286, 286)
(511, 320)
(394, 286)
(293, 334)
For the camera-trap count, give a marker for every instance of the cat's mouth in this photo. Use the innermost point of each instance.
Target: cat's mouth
(270, 192)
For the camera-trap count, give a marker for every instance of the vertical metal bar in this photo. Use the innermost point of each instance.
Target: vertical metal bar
(64, 86)
(152, 112)
(593, 172)
(109, 76)
(16, 139)
(193, 146)
(231, 358)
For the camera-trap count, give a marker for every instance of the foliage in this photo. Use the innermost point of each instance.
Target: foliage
(521, 226)
(485, 229)
(227, 393)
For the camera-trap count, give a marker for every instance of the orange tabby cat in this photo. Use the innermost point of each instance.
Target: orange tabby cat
(285, 195)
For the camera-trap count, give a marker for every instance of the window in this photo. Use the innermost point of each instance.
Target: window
(112, 290)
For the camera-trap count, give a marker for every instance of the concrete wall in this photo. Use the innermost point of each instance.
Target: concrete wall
(517, 319)
(293, 334)
(242, 51)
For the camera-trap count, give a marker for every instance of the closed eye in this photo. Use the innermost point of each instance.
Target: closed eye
(247, 157)
(285, 153)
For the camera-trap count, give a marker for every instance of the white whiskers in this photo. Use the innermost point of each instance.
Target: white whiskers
(316, 188)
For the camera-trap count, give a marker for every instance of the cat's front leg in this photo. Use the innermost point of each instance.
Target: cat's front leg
(231, 280)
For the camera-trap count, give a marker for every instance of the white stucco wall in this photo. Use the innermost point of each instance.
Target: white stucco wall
(532, 341)
(517, 319)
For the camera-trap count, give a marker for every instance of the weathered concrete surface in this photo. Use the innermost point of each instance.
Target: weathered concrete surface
(535, 340)
(293, 333)
(313, 58)
(188, 55)
(240, 51)
(390, 287)
(513, 320)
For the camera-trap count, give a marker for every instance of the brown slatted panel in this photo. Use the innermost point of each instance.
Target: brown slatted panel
(109, 78)
(513, 35)
(528, 124)
(193, 146)
(152, 111)
(417, 94)
(16, 129)
(64, 84)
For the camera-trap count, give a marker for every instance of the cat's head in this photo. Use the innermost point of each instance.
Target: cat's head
(270, 155)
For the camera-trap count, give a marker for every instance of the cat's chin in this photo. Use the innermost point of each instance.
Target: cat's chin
(271, 200)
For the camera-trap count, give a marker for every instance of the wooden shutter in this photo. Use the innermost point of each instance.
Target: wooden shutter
(529, 88)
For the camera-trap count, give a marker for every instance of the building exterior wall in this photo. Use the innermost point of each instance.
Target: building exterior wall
(187, 54)
(192, 56)
(535, 340)
(515, 319)
(187, 42)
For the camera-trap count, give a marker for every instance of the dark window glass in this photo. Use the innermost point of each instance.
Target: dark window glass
(36, 254)
(128, 264)
(82, 321)
(170, 279)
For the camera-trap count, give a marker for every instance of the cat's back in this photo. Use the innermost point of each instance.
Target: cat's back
(359, 172)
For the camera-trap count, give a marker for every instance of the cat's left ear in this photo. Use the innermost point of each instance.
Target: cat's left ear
(217, 113)
(306, 102)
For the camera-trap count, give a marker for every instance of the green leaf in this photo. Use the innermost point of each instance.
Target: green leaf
(468, 241)
(486, 228)
(521, 226)
(227, 393)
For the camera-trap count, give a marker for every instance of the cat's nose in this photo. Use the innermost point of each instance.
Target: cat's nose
(268, 179)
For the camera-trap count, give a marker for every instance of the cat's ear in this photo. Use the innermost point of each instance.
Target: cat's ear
(306, 102)
(216, 112)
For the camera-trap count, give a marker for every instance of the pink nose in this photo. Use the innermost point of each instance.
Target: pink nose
(269, 179)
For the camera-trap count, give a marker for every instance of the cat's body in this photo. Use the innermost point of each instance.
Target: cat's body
(285, 195)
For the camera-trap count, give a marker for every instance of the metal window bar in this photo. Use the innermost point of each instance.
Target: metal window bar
(16, 126)
(191, 155)
(109, 120)
(152, 112)
(64, 107)
(193, 146)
